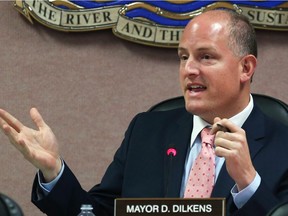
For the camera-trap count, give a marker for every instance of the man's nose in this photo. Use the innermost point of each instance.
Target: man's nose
(192, 67)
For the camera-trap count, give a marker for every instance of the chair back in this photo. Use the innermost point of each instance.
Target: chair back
(272, 107)
(279, 210)
(9, 207)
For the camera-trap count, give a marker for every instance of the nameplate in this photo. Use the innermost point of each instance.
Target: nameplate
(169, 206)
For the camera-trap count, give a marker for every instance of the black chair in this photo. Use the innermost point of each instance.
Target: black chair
(279, 210)
(272, 107)
(9, 207)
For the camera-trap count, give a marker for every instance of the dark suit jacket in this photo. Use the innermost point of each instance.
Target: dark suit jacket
(141, 167)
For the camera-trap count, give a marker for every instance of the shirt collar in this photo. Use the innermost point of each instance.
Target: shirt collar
(238, 119)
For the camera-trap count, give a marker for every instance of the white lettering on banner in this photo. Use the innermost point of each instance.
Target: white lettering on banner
(147, 33)
(135, 29)
(168, 35)
(45, 11)
(73, 19)
(87, 18)
(261, 17)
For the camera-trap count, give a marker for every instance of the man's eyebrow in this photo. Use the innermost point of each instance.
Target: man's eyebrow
(208, 48)
(181, 49)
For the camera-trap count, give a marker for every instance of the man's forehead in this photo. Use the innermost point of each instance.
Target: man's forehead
(212, 26)
(210, 17)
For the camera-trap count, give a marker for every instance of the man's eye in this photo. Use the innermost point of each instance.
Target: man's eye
(206, 57)
(183, 57)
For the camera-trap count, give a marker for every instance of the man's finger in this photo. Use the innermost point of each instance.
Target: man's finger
(37, 118)
(10, 120)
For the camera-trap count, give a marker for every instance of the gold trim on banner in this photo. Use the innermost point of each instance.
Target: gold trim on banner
(66, 3)
(159, 11)
(20, 7)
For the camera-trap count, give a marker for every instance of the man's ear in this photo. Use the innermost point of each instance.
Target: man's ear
(248, 63)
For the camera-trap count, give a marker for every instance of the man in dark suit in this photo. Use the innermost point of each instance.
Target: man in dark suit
(217, 55)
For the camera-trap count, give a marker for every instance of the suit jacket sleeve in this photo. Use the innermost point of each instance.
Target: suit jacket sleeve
(67, 196)
(140, 168)
(268, 148)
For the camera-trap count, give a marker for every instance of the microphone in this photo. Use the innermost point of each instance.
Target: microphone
(171, 152)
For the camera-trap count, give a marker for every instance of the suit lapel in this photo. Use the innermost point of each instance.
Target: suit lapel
(255, 131)
(179, 139)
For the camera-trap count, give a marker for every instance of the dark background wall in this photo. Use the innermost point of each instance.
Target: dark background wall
(88, 86)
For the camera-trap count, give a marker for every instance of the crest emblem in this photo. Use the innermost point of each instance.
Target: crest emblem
(155, 23)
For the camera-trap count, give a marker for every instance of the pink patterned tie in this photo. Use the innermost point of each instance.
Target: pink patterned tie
(201, 178)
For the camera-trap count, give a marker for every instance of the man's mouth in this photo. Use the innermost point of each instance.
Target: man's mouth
(195, 88)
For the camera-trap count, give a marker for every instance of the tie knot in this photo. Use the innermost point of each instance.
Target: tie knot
(206, 137)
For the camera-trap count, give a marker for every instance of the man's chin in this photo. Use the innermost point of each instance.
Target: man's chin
(194, 108)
